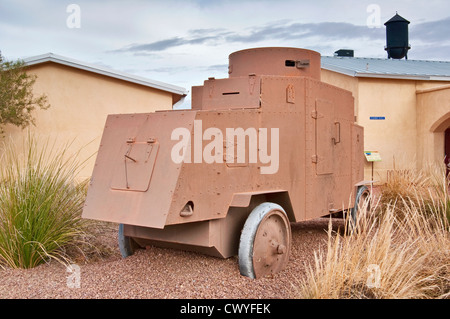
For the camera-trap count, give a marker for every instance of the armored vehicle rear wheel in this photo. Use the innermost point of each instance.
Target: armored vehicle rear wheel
(362, 201)
(127, 245)
(265, 241)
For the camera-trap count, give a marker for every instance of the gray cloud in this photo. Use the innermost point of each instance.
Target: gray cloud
(157, 46)
(217, 67)
(196, 36)
(428, 32)
(166, 44)
(202, 32)
(433, 31)
(278, 31)
(174, 70)
(326, 30)
(424, 52)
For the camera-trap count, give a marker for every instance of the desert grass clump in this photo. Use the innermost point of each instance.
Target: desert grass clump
(399, 250)
(427, 188)
(40, 203)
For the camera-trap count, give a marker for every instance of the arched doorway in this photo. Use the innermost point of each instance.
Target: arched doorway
(441, 136)
(447, 149)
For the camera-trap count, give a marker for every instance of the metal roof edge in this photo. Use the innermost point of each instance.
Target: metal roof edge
(393, 76)
(338, 69)
(329, 65)
(384, 75)
(439, 78)
(402, 76)
(51, 57)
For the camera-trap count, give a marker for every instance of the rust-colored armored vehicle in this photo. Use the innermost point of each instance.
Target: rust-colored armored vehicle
(267, 146)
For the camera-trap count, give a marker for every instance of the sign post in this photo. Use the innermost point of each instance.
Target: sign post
(372, 156)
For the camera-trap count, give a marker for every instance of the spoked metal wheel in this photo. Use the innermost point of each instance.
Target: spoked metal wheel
(265, 241)
(127, 245)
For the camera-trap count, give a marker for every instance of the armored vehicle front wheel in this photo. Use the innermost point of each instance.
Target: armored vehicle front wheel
(127, 245)
(265, 241)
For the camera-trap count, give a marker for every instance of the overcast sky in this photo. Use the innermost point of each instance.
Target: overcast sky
(183, 42)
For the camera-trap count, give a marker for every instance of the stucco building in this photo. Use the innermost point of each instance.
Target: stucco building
(404, 106)
(81, 95)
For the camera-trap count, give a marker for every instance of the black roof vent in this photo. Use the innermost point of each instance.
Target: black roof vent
(397, 45)
(344, 52)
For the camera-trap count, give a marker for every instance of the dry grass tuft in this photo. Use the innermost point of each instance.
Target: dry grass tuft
(401, 248)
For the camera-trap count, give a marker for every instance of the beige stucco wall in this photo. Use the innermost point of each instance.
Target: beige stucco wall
(80, 101)
(406, 138)
(395, 136)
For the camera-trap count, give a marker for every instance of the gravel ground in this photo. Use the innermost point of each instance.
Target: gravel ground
(166, 273)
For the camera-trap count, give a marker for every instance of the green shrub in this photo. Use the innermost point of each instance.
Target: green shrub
(40, 203)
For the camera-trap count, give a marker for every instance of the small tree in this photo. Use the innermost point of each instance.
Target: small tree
(17, 100)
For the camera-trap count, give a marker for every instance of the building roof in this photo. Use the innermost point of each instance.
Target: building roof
(388, 68)
(397, 18)
(51, 57)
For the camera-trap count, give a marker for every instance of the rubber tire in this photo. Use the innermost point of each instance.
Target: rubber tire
(354, 211)
(126, 244)
(245, 253)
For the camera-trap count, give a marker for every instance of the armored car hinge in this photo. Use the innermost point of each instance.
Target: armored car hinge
(211, 86)
(290, 94)
(337, 139)
(251, 82)
(301, 64)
